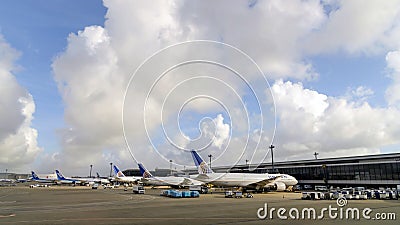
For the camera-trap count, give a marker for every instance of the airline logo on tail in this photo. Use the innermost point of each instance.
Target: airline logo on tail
(145, 173)
(204, 168)
(34, 176)
(201, 165)
(59, 175)
(118, 172)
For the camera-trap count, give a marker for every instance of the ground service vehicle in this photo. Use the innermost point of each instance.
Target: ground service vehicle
(199, 188)
(138, 189)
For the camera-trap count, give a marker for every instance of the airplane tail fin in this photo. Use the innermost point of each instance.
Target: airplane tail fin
(98, 175)
(201, 165)
(118, 172)
(145, 173)
(34, 176)
(59, 175)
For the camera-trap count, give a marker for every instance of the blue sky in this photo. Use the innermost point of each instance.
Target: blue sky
(338, 73)
(39, 31)
(332, 69)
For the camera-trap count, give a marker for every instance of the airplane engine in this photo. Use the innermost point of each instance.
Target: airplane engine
(279, 186)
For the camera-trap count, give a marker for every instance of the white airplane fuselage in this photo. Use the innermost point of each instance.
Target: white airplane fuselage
(164, 181)
(245, 179)
(127, 179)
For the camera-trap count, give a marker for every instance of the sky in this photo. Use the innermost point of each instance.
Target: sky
(93, 82)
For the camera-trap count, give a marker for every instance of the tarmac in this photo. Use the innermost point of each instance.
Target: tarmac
(82, 205)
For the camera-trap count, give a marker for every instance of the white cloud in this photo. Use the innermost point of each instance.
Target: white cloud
(270, 31)
(358, 27)
(93, 71)
(221, 132)
(393, 91)
(309, 121)
(296, 98)
(18, 140)
(362, 92)
(359, 94)
(92, 90)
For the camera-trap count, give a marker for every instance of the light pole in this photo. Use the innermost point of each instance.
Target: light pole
(6, 177)
(170, 166)
(316, 155)
(210, 156)
(325, 178)
(110, 168)
(272, 157)
(90, 173)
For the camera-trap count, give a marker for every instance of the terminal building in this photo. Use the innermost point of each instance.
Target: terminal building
(372, 171)
(157, 172)
(14, 176)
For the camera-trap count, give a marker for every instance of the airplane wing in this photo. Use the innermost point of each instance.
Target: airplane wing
(264, 182)
(187, 181)
(82, 180)
(202, 178)
(195, 182)
(143, 179)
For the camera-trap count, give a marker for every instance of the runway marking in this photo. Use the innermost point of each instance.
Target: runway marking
(7, 202)
(7, 216)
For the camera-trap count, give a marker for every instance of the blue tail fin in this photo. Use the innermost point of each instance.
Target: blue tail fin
(34, 176)
(98, 175)
(201, 165)
(118, 172)
(145, 173)
(59, 175)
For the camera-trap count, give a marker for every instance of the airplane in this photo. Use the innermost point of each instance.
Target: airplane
(102, 180)
(149, 179)
(65, 180)
(244, 180)
(35, 177)
(98, 176)
(94, 180)
(120, 176)
(5, 180)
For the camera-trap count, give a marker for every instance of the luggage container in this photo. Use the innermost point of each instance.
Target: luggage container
(238, 194)
(185, 194)
(391, 195)
(360, 195)
(194, 194)
(176, 194)
(306, 196)
(377, 195)
(328, 195)
(228, 194)
(312, 195)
